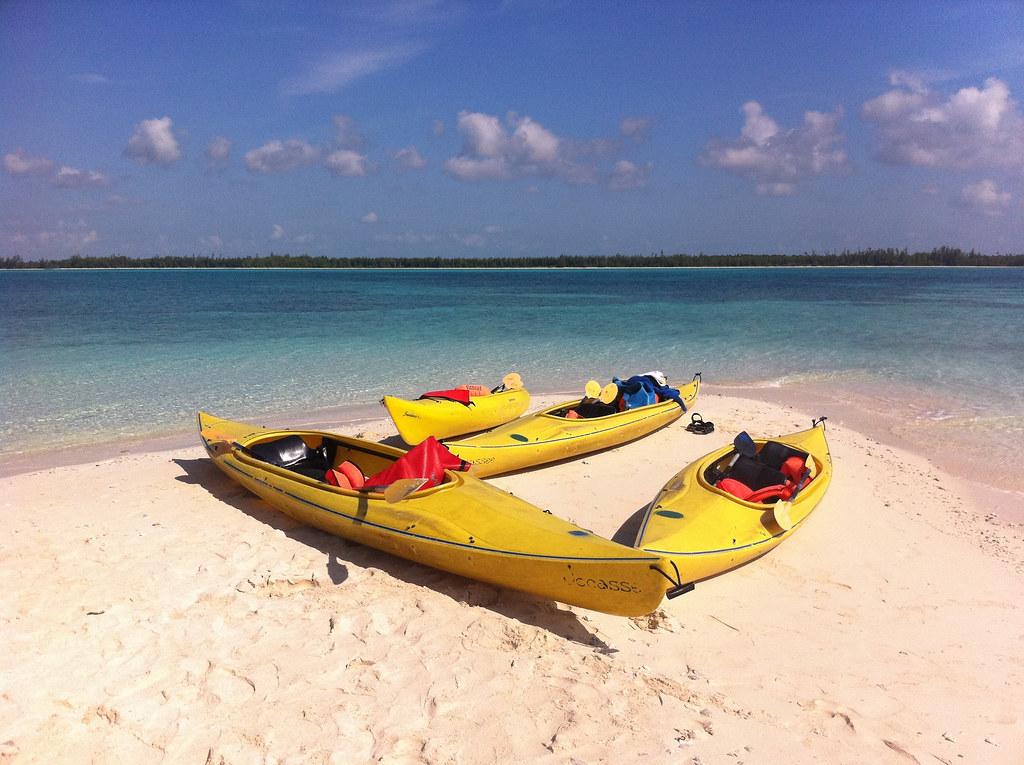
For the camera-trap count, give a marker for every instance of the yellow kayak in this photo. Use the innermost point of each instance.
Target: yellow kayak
(548, 436)
(440, 418)
(705, 530)
(464, 525)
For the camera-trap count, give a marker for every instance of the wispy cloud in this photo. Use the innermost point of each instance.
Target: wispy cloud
(218, 153)
(626, 176)
(409, 158)
(333, 71)
(635, 128)
(985, 197)
(90, 78)
(19, 162)
(73, 178)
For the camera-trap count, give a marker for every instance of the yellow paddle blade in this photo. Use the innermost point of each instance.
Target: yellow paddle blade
(402, 488)
(780, 510)
(512, 381)
(592, 389)
(609, 393)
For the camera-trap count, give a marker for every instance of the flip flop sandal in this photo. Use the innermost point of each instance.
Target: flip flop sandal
(699, 426)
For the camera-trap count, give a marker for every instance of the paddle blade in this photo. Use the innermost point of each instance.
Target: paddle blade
(608, 393)
(402, 488)
(592, 389)
(780, 510)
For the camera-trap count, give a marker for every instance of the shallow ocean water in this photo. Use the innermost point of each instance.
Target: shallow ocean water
(91, 356)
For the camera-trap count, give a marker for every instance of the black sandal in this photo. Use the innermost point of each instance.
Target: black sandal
(699, 426)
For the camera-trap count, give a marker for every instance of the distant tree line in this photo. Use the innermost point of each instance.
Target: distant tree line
(941, 256)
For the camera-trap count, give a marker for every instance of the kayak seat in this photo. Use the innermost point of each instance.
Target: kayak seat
(588, 409)
(293, 453)
(345, 476)
(283, 452)
(774, 455)
(755, 474)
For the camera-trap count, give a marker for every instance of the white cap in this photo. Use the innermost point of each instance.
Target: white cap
(659, 377)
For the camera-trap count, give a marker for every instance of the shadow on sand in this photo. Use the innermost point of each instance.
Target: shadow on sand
(514, 605)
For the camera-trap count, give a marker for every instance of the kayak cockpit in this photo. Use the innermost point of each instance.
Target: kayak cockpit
(775, 472)
(351, 464)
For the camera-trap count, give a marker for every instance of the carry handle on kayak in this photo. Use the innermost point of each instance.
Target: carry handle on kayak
(678, 587)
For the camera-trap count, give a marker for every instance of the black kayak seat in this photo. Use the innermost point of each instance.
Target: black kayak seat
(755, 474)
(292, 452)
(773, 454)
(587, 409)
(283, 452)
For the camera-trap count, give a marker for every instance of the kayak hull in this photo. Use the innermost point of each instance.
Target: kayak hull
(464, 526)
(705, 531)
(543, 437)
(416, 420)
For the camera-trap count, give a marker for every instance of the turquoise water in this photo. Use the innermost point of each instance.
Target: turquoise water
(89, 356)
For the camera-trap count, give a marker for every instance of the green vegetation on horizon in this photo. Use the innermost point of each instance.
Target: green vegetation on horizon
(941, 256)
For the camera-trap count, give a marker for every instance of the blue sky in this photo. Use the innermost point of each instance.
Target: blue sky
(424, 127)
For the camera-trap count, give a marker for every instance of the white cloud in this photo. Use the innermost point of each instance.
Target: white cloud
(972, 128)
(626, 175)
(438, 128)
(472, 240)
(493, 229)
(68, 237)
(20, 163)
(410, 159)
(280, 156)
(776, 189)
(635, 128)
(154, 142)
(277, 232)
(346, 134)
(347, 163)
(90, 78)
(218, 152)
(214, 241)
(475, 169)
(986, 198)
(535, 143)
(73, 178)
(408, 237)
(370, 217)
(336, 70)
(778, 158)
(518, 147)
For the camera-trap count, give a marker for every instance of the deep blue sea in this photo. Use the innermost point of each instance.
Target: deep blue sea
(90, 356)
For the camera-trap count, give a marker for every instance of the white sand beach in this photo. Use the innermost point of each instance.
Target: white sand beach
(153, 611)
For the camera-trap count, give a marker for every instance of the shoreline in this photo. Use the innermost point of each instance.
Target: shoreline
(482, 268)
(995, 482)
